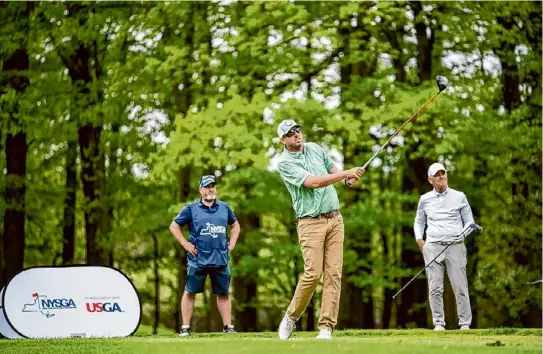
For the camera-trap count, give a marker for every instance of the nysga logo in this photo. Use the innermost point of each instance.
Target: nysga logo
(213, 230)
(46, 305)
(103, 307)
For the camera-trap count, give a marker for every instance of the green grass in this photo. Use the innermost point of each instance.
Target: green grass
(502, 340)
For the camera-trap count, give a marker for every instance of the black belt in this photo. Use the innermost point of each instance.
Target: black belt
(328, 215)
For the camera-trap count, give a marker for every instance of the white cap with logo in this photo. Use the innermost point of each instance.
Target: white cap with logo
(285, 126)
(434, 168)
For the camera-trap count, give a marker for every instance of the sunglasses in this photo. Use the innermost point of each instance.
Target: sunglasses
(292, 132)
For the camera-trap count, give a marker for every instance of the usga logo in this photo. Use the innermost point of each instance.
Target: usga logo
(103, 307)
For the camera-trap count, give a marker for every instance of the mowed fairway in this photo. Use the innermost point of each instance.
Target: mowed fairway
(504, 340)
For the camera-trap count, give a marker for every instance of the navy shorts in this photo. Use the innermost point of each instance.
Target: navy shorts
(196, 279)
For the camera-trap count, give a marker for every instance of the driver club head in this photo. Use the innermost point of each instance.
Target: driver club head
(442, 82)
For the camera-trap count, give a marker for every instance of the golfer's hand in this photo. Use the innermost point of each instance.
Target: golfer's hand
(231, 247)
(420, 243)
(351, 181)
(189, 247)
(459, 238)
(354, 173)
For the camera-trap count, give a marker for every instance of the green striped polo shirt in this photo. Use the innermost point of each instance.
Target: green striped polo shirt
(295, 167)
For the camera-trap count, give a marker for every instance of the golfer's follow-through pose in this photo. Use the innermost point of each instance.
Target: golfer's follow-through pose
(445, 211)
(309, 176)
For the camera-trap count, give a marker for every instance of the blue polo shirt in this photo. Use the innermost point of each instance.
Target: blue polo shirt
(208, 232)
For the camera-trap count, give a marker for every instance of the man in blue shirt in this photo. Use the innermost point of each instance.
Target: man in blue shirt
(208, 250)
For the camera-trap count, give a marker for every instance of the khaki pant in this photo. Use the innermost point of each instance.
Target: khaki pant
(321, 241)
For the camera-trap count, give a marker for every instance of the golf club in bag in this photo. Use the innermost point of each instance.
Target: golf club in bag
(441, 85)
(468, 229)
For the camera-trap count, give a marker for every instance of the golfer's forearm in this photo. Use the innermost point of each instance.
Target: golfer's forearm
(176, 232)
(234, 232)
(467, 215)
(419, 230)
(420, 224)
(334, 169)
(420, 221)
(323, 181)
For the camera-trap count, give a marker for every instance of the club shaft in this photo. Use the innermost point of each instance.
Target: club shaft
(422, 270)
(409, 282)
(400, 129)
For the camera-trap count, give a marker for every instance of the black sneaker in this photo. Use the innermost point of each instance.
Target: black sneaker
(185, 332)
(229, 329)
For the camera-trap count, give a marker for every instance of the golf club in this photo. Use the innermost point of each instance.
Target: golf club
(468, 229)
(442, 85)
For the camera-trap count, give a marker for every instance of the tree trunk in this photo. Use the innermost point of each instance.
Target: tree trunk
(532, 318)
(398, 60)
(93, 176)
(310, 324)
(181, 278)
(84, 68)
(388, 292)
(425, 42)
(510, 73)
(111, 187)
(157, 284)
(68, 229)
(411, 302)
(16, 147)
(245, 290)
(245, 287)
(184, 192)
(356, 310)
(14, 219)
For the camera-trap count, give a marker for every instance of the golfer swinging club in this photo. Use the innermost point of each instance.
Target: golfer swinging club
(446, 211)
(309, 176)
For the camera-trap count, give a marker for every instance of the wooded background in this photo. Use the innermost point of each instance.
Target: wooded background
(111, 111)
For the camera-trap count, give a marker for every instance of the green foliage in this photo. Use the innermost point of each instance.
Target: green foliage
(201, 87)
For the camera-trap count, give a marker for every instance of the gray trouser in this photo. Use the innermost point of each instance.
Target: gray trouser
(454, 259)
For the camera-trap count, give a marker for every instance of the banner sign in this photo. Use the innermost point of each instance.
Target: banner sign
(5, 329)
(72, 301)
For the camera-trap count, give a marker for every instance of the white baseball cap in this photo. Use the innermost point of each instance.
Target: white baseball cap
(434, 168)
(285, 126)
